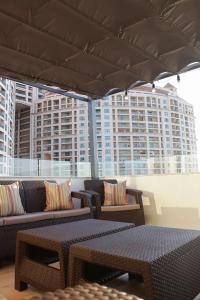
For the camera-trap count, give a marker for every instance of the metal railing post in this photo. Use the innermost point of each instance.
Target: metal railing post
(92, 138)
(38, 167)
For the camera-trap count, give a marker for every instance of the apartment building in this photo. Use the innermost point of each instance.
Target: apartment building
(61, 130)
(146, 132)
(25, 96)
(140, 134)
(7, 117)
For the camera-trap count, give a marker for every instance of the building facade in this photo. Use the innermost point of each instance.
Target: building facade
(25, 97)
(61, 131)
(7, 119)
(146, 133)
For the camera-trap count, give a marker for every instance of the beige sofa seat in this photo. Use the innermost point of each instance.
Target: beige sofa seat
(119, 207)
(27, 218)
(1, 221)
(71, 212)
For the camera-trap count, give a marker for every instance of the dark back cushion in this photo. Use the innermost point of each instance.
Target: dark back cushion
(35, 195)
(21, 190)
(98, 186)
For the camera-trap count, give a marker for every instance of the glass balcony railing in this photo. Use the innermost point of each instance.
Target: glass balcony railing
(19, 167)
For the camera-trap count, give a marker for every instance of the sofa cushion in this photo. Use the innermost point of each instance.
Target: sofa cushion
(21, 190)
(58, 195)
(115, 194)
(35, 196)
(27, 218)
(97, 185)
(1, 221)
(71, 213)
(120, 207)
(10, 200)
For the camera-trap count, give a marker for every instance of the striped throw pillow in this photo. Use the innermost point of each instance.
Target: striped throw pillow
(10, 200)
(58, 196)
(115, 194)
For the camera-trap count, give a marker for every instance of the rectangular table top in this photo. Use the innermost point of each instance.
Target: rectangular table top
(74, 231)
(143, 243)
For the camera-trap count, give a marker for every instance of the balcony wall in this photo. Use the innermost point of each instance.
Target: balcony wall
(169, 200)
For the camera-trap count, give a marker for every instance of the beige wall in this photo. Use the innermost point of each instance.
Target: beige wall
(170, 200)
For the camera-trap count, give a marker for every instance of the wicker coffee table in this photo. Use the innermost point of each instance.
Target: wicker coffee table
(168, 259)
(37, 248)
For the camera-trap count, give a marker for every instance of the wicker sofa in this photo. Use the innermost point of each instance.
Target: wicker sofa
(33, 198)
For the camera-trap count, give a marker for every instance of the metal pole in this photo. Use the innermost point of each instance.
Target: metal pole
(38, 167)
(53, 89)
(92, 138)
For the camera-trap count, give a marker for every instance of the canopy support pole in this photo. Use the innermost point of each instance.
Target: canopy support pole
(92, 138)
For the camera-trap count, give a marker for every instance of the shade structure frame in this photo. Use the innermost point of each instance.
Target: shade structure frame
(93, 47)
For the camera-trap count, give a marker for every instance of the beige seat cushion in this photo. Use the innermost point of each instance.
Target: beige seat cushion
(27, 218)
(1, 221)
(71, 213)
(120, 207)
(86, 291)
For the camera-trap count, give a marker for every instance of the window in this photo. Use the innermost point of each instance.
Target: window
(107, 151)
(107, 131)
(107, 138)
(108, 158)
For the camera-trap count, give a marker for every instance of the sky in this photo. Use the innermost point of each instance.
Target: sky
(189, 89)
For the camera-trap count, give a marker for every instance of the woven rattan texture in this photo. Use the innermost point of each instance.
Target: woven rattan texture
(167, 258)
(57, 238)
(72, 232)
(146, 243)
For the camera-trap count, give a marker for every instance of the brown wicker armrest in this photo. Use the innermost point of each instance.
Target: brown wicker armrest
(86, 199)
(137, 194)
(96, 201)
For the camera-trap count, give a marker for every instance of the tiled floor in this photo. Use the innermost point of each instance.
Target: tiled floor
(7, 291)
(7, 285)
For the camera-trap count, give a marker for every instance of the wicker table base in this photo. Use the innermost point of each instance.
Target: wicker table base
(168, 259)
(51, 244)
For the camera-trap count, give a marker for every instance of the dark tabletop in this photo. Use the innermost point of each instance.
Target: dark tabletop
(75, 230)
(145, 243)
